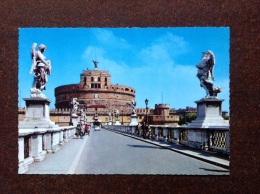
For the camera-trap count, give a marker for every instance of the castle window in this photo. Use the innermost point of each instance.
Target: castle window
(126, 89)
(105, 79)
(92, 79)
(99, 79)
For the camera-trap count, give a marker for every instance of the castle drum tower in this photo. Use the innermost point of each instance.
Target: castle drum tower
(95, 88)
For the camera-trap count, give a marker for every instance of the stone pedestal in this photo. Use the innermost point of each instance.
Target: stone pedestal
(209, 114)
(117, 123)
(133, 121)
(209, 117)
(37, 114)
(74, 119)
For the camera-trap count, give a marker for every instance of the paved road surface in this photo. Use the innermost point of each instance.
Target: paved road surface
(106, 152)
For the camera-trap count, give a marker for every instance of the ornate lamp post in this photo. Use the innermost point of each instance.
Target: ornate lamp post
(146, 103)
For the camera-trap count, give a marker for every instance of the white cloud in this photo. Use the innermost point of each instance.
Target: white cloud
(106, 37)
(92, 53)
(175, 45)
(161, 53)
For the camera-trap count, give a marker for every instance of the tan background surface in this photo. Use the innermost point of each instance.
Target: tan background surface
(240, 15)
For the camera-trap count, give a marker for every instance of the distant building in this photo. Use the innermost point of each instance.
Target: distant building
(158, 116)
(183, 114)
(185, 111)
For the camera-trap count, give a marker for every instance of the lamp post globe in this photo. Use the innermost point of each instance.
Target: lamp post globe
(146, 102)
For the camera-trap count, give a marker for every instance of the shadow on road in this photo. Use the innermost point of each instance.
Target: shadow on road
(144, 146)
(213, 170)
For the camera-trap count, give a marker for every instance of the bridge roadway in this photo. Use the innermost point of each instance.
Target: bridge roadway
(107, 152)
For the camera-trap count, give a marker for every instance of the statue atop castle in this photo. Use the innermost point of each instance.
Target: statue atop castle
(95, 64)
(205, 72)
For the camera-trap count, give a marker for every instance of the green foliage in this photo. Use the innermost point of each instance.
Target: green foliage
(190, 117)
(226, 117)
(183, 120)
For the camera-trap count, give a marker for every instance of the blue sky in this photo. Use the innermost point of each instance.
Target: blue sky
(160, 63)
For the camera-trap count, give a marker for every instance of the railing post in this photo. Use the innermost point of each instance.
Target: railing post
(36, 147)
(20, 149)
(61, 141)
(65, 135)
(165, 133)
(55, 141)
(22, 168)
(48, 143)
(177, 135)
(156, 133)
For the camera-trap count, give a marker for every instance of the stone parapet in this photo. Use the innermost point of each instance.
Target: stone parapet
(204, 139)
(34, 144)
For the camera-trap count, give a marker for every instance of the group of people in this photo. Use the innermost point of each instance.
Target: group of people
(146, 130)
(82, 130)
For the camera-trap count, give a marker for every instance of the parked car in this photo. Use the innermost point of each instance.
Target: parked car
(96, 126)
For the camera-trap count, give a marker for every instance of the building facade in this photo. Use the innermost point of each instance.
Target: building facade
(160, 115)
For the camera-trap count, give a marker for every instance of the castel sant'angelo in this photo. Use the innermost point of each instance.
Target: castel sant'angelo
(96, 90)
(96, 94)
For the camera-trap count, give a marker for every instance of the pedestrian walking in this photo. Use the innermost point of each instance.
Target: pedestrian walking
(87, 131)
(78, 130)
(136, 130)
(144, 129)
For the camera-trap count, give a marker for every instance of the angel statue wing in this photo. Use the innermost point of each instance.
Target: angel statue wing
(33, 55)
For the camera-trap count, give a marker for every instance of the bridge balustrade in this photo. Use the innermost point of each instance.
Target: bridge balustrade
(215, 139)
(34, 144)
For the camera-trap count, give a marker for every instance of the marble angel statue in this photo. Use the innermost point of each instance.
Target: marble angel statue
(206, 72)
(40, 67)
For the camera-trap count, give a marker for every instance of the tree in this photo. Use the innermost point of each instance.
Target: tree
(226, 117)
(181, 120)
(190, 117)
